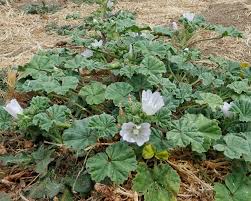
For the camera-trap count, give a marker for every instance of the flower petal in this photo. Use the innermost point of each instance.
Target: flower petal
(87, 53)
(13, 108)
(189, 16)
(151, 102)
(225, 109)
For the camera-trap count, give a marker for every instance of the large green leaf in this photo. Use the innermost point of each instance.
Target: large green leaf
(236, 146)
(56, 115)
(83, 184)
(38, 104)
(151, 48)
(161, 183)
(195, 130)
(77, 62)
(94, 93)
(116, 163)
(49, 84)
(237, 187)
(5, 197)
(79, 136)
(67, 83)
(37, 66)
(163, 30)
(212, 100)
(239, 86)
(104, 125)
(42, 157)
(118, 92)
(45, 188)
(152, 65)
(183, 92)
(242, 108)
(19, 158)
(5, 120)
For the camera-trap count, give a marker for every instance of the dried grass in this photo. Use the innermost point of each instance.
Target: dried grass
(23, 35)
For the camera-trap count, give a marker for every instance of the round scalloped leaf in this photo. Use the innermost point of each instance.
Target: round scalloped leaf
(118, 92)
(94, 93)
(116, 163)
(79, 136)
(104, 125)
(161, 183)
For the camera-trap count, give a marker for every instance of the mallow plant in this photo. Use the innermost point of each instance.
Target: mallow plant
(119, 106)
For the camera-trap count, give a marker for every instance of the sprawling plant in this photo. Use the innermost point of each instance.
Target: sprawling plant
(122, 105)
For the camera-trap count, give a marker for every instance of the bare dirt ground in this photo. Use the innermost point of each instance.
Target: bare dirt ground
(22, 35)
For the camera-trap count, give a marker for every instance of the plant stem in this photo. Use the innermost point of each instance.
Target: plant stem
(206, 39)
(171, 71)
(195, 82)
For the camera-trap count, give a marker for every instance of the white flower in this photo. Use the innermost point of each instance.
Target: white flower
(87, 53)
(133, 133)
(13, 108)
(109, 4)
(189, 16)
(225, 109)
(186, 49)
(174, 26)
(151, 102)
(97, 43)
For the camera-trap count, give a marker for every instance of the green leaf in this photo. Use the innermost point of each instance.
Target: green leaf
(37, 66)
(212, 100)
(118, 92)
(236, 145)
(195, 130)
(42, 158)
(104, 125)
(159, 141)
(161, 183)
(39, 103)
(237, 187)
(94, 93)
(42, 83)
(81, 184)
(159, 81)
(56, 115)
(20, 158)
(148, 151)
(184, 92)
(239, 86)
(5, 120)
(45, 189)
(242, 108)
(162, 30)
(67, 83)
(129, 71)
(77, 62)
(152, 65)
(116, 163)
(163, 117)
(49, 84)
(5, 197)
(79, 136)
(228, 31)
(151, 48)
(222, 193)
(67, 195)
